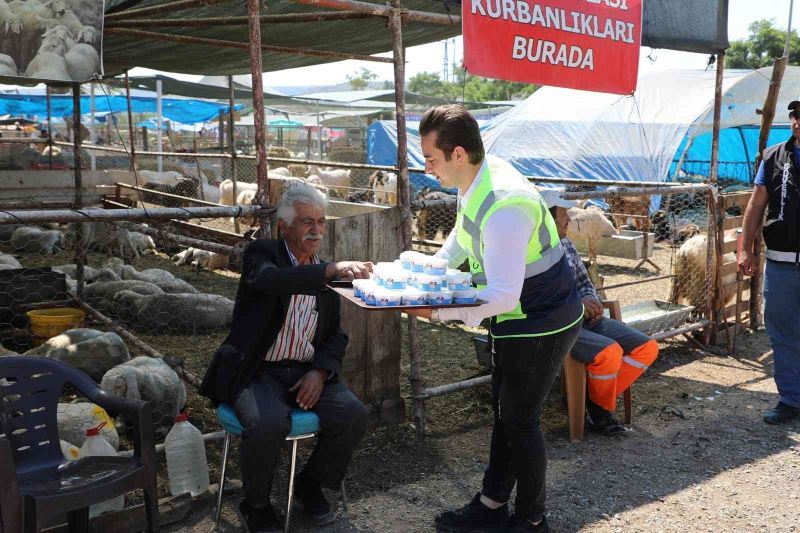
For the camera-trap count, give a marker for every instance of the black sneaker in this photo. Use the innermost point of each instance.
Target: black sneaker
(309, 499)
(473, 517)
(781, 414)
(258, 520)
(520, 524)
(601, 421)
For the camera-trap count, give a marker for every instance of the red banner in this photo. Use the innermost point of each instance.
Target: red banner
(581, 44)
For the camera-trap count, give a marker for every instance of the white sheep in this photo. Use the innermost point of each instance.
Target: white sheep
(8, 262)
(384, 187)
(334, 179)
(689, 274)
(226, 190)
(66, 17)
(36, 240)
(8, 67)
(30, 12)
(280, 171)
(83, 62)
(316, 182)
(9, 18)
(48, 66)
(589, 226)
(169, 177)
(56, 39)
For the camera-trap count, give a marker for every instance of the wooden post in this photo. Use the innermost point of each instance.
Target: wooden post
(80, 252)
(403, 198)
(145, 140)
(262, 193)
(231, 140)
(714, 301)
(767, 116)
(131, 126)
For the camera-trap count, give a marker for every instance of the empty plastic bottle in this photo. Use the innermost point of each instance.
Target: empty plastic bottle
(187, 466)
(96, 445)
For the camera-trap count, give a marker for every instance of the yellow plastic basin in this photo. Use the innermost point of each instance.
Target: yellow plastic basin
(48, 323)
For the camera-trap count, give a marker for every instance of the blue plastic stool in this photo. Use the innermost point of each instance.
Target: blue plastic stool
(305, 425)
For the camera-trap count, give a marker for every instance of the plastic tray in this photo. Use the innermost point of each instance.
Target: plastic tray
(347, 294)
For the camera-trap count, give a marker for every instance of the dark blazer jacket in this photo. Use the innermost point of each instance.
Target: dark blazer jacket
(262, 300)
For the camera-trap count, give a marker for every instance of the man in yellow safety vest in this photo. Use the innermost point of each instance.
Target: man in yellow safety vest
(506, 233)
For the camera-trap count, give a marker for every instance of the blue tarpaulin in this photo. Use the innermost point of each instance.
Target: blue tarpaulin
(179, 110)
(382, 150)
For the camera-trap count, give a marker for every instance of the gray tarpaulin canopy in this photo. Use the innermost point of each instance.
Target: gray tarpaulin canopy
(362, 36)
(688, 25)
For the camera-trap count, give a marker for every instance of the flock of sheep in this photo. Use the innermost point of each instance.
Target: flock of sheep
(66, 44)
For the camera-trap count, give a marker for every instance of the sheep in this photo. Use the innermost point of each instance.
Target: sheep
(169, 177)
(588, 226)
(226, 190)
(9, 18)
(430, 220)
(56, 39)
(333, 179)
(91, 351)
(299, 171)
(316, 182)
(8, 67)
(37, 241)
(631, 211)
(142, 244)
(30, 12)
(689, 274)
(187, 313)
(47, 65)
(8, 262)
(152, 380)
(83, 62)
(280, 171)
(105, 237)
(384, 185)
(300, 155)
(202, 259)
(186, 187)
(63, 16)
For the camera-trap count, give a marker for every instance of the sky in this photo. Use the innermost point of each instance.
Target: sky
(430, 57)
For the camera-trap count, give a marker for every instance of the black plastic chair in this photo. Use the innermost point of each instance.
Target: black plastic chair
(38, 483)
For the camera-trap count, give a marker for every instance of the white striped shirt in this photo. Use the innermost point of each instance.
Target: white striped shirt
(297, 333)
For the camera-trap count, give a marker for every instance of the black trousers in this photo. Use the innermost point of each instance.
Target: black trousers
(263, 409)
(522, 374)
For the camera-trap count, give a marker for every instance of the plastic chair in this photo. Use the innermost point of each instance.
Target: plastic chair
(37, 481)
(305, 425)
(574, 386)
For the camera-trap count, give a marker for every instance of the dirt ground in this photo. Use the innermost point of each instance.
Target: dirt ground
(697, 457)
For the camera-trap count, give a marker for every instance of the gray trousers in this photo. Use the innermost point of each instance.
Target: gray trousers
(263, 409)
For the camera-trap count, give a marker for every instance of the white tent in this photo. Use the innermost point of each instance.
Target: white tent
(577, 134)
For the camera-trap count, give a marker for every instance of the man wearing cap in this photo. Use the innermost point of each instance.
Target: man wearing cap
(614, 353)
(777, 191)
(504, 231)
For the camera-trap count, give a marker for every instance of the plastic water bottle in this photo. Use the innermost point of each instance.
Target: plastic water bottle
(96, 445)
(187, 466)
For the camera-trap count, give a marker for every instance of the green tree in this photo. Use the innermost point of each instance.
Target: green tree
(468, 87)
(359, 80)
(762, 46)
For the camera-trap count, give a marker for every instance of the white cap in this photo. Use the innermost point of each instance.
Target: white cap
(553, 198)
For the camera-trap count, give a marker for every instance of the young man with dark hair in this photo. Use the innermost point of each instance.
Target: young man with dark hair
(504, 230)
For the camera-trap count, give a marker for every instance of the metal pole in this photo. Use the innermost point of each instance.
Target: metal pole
(231, 98)
(163, 8)
(131, 126)
(49, 129)
(80, 252)
(263, 192)
(384, 11)
(236, 21)
(107, 215)
(403, 197)
(159, 123)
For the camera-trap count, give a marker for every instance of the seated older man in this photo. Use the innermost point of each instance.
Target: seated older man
(615, 354)
(285, 348)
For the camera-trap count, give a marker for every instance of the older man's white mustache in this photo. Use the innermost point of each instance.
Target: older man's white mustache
(312, 237)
